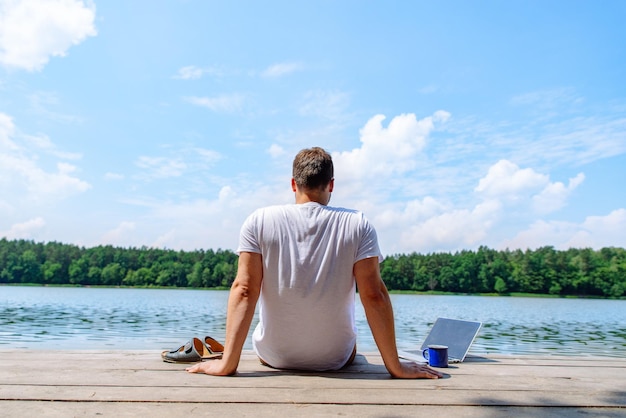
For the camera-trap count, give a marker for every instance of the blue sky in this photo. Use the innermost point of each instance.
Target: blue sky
(452, 124)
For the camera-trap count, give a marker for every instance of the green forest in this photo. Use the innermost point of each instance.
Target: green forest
(574, 272)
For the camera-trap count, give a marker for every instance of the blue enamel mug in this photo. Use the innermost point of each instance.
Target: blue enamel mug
(437, 355)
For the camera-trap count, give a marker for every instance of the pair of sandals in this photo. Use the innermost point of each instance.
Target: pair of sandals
(194, 351)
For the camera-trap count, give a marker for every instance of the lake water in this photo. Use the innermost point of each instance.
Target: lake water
(147, 319)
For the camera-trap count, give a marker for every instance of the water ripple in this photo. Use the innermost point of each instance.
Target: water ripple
(86, 318)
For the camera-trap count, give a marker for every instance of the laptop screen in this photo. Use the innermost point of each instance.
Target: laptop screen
(458, 335)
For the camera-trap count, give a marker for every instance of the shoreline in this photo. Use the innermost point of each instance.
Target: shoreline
(398, 292)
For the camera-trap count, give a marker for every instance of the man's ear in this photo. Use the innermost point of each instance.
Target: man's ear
(331, 185)
(293, 184)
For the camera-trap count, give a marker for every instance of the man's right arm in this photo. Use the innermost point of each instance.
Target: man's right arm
(242, 300)
(379, 313)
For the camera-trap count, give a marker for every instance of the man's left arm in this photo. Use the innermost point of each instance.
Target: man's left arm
(244, 294)
(379, 313)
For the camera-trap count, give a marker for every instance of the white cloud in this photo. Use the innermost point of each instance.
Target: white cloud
(276, 151)
(190, 72)
(186, 161)
(429, 89)
(450, 230)
(32, 31)
(513, 185)
(212, 222)
(413, 211)
(594, 232)
(5, 207)
(43, 103)
(162, 240)
(7, 130)
(113, 176)
(554, 195)
(161, 167)
(208, 156)
(123, 232)
(226, 193)
(202, 223)
(223, 103)
(502, 202)
(43, 143)
(547, 99)
(601, 231)
(24, 230)
(559, 130)
(387, 151)
(281, 69)
(56, 185)
(23, 176)
(325, 104)
(505, 179)
(541, 233)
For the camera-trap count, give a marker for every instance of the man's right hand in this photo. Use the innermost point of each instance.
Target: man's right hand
(215, 367)
(416, 371)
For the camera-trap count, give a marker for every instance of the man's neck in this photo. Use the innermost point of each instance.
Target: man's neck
(321, 195)
(302, 198)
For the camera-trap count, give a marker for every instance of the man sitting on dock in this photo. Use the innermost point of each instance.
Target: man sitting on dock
(303, 262)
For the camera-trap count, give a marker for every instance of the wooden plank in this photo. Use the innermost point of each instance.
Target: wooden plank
(106, 377)
(158, 410)
(475, 379)
(306, 395)
(135, 370)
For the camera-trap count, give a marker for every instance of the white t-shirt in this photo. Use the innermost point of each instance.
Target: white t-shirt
(306, 307)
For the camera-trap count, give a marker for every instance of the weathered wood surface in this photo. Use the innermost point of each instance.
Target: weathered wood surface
(138, 383)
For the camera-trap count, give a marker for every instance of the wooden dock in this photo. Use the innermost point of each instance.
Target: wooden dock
(138, 383)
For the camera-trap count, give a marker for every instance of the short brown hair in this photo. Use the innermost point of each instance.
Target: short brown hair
(313, 168)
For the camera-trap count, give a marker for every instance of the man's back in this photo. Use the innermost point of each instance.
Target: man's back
(303, 262)
(307, 298)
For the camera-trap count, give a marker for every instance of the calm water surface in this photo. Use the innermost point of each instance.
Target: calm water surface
(147, 319)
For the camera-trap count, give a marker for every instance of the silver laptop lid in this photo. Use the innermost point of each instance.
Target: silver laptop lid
(458, 335)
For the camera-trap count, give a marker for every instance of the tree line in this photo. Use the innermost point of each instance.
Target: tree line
(581, 272)
(23, 261)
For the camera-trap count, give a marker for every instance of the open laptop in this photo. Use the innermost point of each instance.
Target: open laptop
(458, 335)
